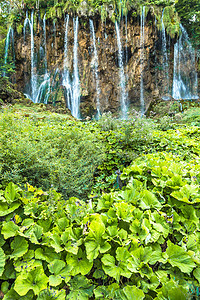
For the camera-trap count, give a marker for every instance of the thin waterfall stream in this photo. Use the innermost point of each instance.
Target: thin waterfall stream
(123, 94)
(76, 84)
(142, 41)
(165, 63)
(95, 66)
(66, 75)
(185, 81)
(33, 73)
(9, 37)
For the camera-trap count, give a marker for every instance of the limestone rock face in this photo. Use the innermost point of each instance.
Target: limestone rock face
(108, 68)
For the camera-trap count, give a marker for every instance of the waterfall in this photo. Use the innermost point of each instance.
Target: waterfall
(165, 62)
(123, 96)
(33, 73)
(185, 81)
(10, 36)
(45, 43)
(41, 93)
(126, 40)
(66, 75)
(95, 65)
(44, 89)
(142, 40)
(75, 84)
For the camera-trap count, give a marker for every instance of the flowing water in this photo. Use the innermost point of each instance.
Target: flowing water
(165, 63)
(45, 43)
(142, 41)
(95, 63)
(29, 23)
(123, 94)
(9, 37)
(76, 84)
(185, 81)
(44, 89)
(66, 76)
(40, 85)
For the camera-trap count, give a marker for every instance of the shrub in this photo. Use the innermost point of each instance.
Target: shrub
(48, 153)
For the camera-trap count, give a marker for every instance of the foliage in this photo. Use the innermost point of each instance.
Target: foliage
(189, 12)
(74, 157)
(48, 152)
(136, 243)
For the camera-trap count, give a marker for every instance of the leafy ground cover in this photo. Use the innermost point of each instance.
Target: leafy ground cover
(137, 234)
(138, 243)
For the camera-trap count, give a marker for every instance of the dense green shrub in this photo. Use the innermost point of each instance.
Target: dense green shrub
(138, 243)
(62, 154)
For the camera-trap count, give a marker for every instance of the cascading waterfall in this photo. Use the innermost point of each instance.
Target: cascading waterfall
(66, 76)
(126, 40)
(33, 73)
(45, 43)
(75, 84)
(156, 62)
(126, 56)
(41, 93)
(165, 62)
(95, 65)
(142, 41)
(185, 81)
(10, 36)
(123, 94)
(44, 89)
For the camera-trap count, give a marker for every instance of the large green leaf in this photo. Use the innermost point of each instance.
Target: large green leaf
(101, 292)
(11, 192)
(105, 202)
(2, 261)
(178, 257)
(9, 229)
(124, 211)
(34, 233)
(9, 271)
(133, 293)
(172, 291)
(13, 295)
(19, 246)
(60, 272)
(56, 242)
(149, 200)
(47, 254)
(188, 194)
(50, 294)
(6, 209)
(27, 261)
(116, 269)
(79, 263)
(71, 240)
(93, 248)
(196, 273)
(94, 242)
(80, 288)
(34, 279)
(141, 229)
(137, 263)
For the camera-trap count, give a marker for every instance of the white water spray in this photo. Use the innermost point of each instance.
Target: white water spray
(142, 41)
(123, 94)
(185, 81)
(29, 23)
(76, 83)
(95, 65)
(66, 75)
(165, 62)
